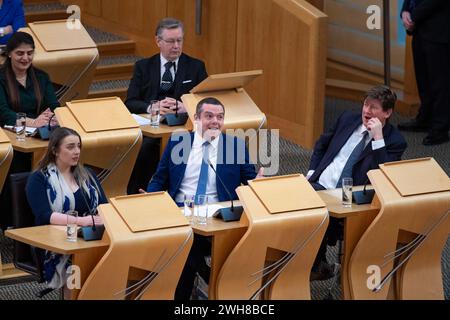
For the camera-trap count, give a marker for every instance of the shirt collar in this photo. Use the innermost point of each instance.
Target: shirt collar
(360, 130)
(198, 141)
(164, 61)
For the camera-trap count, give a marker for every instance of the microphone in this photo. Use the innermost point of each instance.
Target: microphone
(227, 214)
(44, 131)
(364, 196)
(93, 232)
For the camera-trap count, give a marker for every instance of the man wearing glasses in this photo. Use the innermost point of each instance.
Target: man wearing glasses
(165, 77)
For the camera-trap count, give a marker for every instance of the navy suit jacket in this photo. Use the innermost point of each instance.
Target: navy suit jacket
(145, 84)
(431, 19)
(331, 142)
(234, 171)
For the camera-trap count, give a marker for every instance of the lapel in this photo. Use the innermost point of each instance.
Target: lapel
(155, 73)
(179, 76)
(181, 169)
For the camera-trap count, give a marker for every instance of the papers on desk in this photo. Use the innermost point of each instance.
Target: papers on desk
(141, 120)
(29, 131)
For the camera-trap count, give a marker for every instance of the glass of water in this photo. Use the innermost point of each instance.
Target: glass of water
(21, 124)
(189, 208)
(72, 217)
(347, 186)
(154, 113)
(201, 209)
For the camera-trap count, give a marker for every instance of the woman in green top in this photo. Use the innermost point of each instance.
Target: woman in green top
(24, 88)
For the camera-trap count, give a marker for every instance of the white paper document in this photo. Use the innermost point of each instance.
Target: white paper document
(141, 120)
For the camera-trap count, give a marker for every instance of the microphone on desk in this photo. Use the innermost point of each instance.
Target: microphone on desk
(232, 213)
(364, 196)
(93, 232)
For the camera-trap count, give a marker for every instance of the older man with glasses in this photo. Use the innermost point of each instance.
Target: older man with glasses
(165, 76)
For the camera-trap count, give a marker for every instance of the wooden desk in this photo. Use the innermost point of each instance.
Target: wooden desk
(32, 145)
(357, 220)
(85, 254)
(163, 131)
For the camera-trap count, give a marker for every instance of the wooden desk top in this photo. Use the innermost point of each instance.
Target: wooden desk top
(29, 145)
(53, 238)
(333, 200)
(162, 130)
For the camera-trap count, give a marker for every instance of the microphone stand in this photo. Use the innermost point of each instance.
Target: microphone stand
(227, 214)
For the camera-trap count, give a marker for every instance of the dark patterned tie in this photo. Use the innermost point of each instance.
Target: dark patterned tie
(167, 80)
(412, 5)
(354, 156)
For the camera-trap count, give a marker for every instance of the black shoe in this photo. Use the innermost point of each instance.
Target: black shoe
(414, 126)
(435, 138)
(324, 271)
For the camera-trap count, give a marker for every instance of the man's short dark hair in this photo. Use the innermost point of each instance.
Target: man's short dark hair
(209, 100)
(168, 23)
(384, 94)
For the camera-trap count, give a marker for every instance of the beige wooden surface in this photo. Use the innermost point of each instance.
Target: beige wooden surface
(6, 155)
(149, 211)
(54, 35)
(400, 219)
(135, 256)
(101, 114)
(85, 254)
(416, 176)
(73, 69)
(286, 193)
(295, 234)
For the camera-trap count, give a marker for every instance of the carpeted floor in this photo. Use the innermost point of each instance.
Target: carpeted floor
(293, 159)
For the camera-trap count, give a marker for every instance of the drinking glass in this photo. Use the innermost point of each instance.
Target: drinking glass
(154, 113)
(72, 217)
(347, 186)
(189, 208)
(21, 124)
(201, 209)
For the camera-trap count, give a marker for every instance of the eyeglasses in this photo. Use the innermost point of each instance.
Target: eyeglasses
(172, 41)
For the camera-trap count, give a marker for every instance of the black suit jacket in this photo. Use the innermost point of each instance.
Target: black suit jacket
(144, 85)
(431, 18)
(331, 142)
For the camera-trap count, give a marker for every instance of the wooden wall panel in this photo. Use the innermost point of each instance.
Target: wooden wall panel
(217, 43)
(287, 39)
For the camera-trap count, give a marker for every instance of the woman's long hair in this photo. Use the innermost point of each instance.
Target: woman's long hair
(79, 172)
(16, 40)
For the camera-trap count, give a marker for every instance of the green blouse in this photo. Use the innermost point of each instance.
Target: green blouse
(27, 98)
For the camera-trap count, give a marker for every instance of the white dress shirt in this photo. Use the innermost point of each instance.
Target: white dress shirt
(190, 180)
(330, 176)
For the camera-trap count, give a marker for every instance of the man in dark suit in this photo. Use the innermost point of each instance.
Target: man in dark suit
(185, 168)
(428, 21)
(165, 77)
(357, 143)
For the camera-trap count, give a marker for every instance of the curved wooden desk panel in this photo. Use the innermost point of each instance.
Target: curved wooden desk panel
(268, 237)
(6, 155)
(134, 256)
(400, 220)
